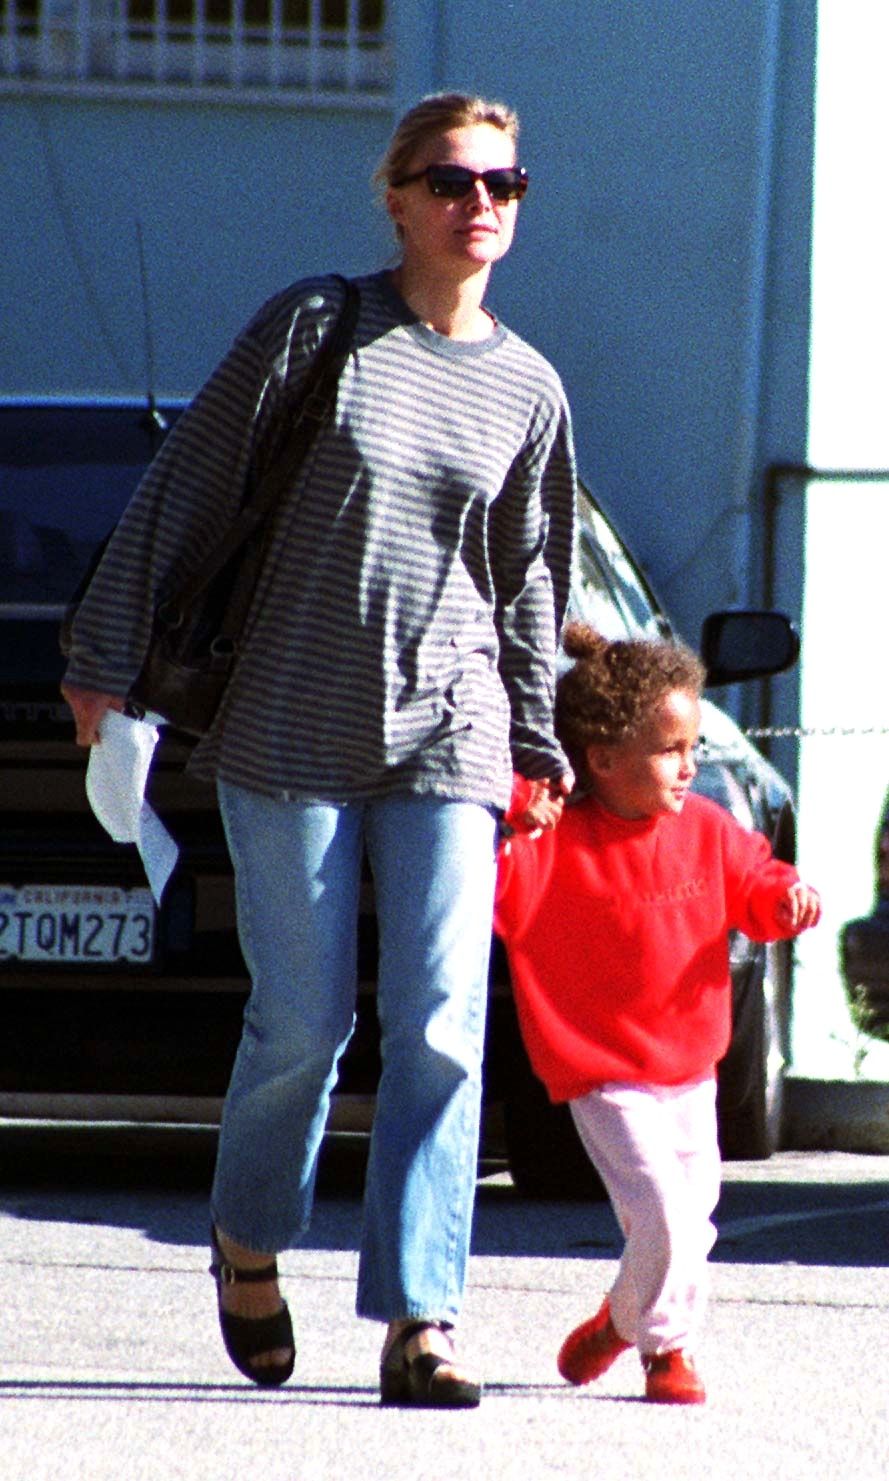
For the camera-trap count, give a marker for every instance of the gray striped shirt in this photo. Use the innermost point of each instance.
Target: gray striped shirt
(403, 632)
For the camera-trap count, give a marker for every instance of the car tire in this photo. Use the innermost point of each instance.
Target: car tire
(751, 1077)
(545, 1155)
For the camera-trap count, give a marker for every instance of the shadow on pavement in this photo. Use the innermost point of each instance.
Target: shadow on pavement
(157, 1180)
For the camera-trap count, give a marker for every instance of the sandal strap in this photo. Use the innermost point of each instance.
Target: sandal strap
(415, 1380)
(397, 1357)
(250, 1335)
(231, 1275)
(426, 1365)
(423, 1324)
(227, 1274)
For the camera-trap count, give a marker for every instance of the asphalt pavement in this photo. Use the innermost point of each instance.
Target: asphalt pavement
(111, 1368)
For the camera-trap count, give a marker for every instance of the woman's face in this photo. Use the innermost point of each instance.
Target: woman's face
(459, 236)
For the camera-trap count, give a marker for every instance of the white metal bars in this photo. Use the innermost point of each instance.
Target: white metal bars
(313, 46)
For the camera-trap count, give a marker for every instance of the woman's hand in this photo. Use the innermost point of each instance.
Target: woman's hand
(88, 707)
(536, 806)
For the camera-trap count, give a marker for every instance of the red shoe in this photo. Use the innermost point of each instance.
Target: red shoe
(591, 1348)
(672, 1378)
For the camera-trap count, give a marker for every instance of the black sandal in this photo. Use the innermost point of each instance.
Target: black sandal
(415, 1382)
(245, 1337)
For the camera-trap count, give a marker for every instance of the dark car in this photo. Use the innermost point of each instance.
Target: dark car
(113, 1009)
(864, 948)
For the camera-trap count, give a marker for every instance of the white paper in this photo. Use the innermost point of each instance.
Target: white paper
(116, 778)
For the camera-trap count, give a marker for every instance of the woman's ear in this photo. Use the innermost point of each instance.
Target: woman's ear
(395, 206)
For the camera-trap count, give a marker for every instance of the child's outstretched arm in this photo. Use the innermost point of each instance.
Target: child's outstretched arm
(798, 909)
(765, 897)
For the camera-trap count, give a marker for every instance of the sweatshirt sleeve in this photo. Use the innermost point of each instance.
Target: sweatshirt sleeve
(524, 868)
(755, 882)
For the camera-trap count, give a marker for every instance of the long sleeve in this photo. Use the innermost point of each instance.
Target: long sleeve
(755, 882)
(190, 493)
(532, 542)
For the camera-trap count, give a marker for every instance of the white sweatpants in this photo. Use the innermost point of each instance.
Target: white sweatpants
(656, 1150)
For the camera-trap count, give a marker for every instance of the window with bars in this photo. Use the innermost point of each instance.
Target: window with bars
(314, 46)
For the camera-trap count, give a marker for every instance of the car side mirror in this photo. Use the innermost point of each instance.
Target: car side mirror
(747, 644)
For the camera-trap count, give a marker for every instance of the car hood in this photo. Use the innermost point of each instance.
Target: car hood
(724, 743)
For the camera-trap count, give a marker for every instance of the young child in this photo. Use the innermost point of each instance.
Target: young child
(616, 927)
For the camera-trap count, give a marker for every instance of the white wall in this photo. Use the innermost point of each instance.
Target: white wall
(844, 777)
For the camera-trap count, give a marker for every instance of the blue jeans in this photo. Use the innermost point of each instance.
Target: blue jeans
(298, 869)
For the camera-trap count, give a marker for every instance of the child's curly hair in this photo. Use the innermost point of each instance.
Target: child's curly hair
(612, 687)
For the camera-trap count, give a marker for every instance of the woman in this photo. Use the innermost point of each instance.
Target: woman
(397, 667)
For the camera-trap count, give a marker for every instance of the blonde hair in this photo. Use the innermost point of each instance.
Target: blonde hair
(613, 687)
(436, 114)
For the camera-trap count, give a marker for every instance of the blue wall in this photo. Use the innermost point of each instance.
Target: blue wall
(662, 257)
(234, 202)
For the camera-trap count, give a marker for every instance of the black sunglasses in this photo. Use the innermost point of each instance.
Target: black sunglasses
(453, 181)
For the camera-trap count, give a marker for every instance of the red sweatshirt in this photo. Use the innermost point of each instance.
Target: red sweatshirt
(617, 936)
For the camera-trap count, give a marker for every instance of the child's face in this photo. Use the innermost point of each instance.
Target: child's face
(651, 771)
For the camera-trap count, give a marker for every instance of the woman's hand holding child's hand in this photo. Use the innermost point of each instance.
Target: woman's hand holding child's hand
(536, 806)
(799, 909)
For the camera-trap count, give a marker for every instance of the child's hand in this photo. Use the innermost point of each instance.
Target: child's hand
(799, 909)
(536, 805)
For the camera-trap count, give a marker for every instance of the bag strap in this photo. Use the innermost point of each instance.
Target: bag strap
(310, 409)
(312, 403)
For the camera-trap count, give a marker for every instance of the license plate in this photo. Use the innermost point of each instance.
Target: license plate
(58, 924)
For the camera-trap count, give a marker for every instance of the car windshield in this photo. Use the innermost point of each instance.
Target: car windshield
(65, 478)
(609, 592)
